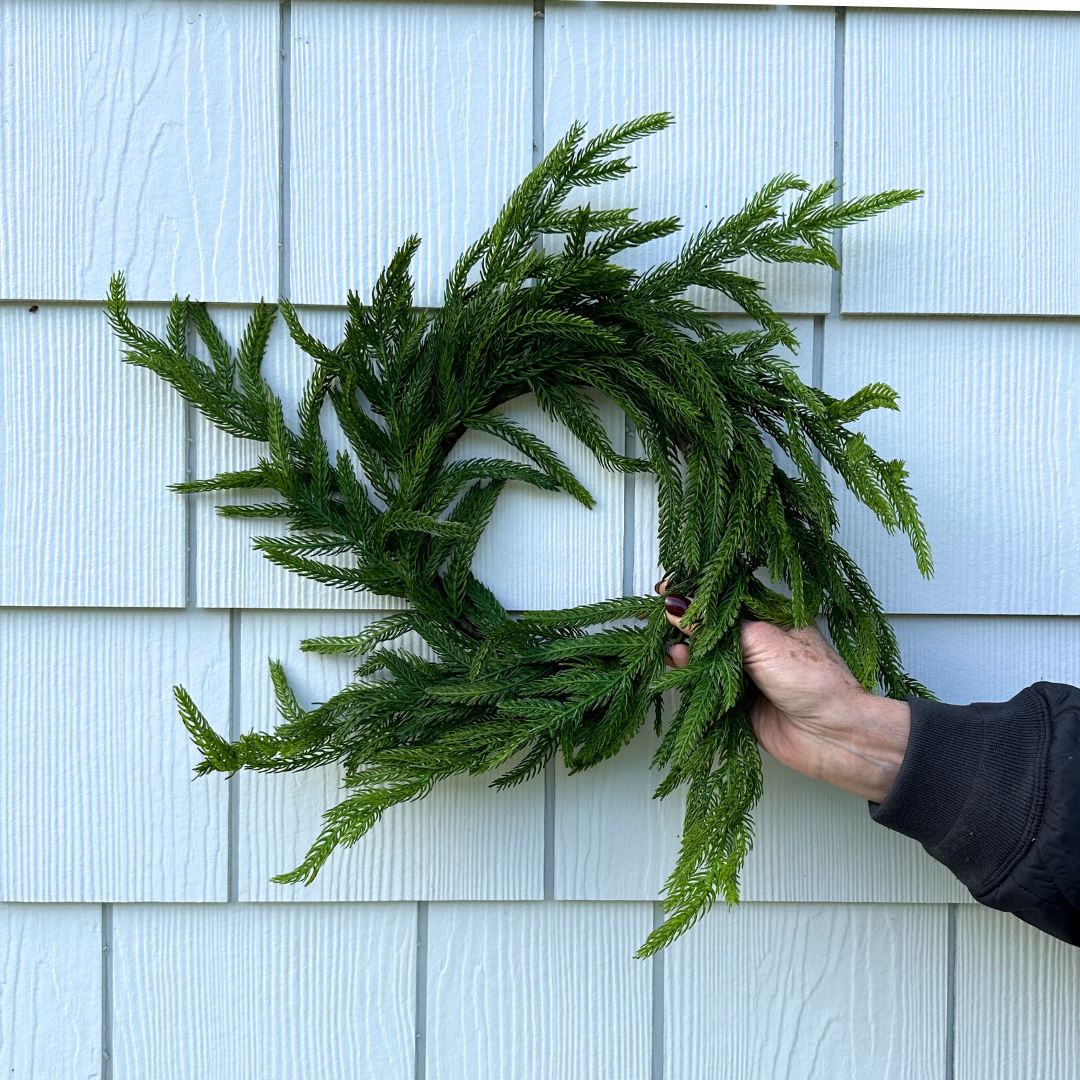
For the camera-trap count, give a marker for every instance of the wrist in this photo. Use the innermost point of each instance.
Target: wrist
(866, 763)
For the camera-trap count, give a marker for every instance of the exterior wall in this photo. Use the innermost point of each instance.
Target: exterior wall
(245, 149)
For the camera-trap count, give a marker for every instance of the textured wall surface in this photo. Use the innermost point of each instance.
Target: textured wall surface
(245, 149)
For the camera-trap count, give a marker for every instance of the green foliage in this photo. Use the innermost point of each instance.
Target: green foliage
(504, 695)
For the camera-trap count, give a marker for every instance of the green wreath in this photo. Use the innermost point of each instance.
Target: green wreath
(504, 693)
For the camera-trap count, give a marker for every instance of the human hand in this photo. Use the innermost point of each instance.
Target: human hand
(812, 714)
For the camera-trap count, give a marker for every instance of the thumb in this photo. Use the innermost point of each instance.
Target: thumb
(762, 644)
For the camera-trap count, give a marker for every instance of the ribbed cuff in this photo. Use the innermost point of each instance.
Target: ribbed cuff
(971, 785)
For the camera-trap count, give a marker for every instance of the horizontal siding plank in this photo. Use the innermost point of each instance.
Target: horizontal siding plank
(809, 990)
(932, 100)
(1017, 999)
(146, 141)
(726, 74)
(540, 549)
(985, 426)
(537, 992)
(441, 137)
(646, 569)
(96, 763)
(88, 445)
(50, 990)
(812, 842)
(249, 991)
(463, 841)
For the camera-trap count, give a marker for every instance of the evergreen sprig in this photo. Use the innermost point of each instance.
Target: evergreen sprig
(505, 694)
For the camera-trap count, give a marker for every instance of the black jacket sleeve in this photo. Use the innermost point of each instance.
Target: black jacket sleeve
(992, 790)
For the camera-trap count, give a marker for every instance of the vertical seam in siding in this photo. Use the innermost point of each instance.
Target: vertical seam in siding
(284, 147)
(233, 799)
(549, 830)
(629, 511)
(538, 81)
(656, 1071)
(189, 507)
(950, 995)
(106, 992)
(817, 368)
(420, 1015)
(548, 889)
(838, 149)
(189, 474)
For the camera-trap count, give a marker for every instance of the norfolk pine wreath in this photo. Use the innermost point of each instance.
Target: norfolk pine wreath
(507, 693)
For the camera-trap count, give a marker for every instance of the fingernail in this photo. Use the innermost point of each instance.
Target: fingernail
(656, 587)
(676, 605)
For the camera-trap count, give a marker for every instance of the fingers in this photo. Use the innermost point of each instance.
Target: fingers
(759, 638)
(677, 656)
(675, 608)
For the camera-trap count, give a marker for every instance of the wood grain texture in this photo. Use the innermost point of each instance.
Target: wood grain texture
(812, 842)
(250, 991)
(975, 109)
(646, 569)
(729, 75)
(613, 841)
(144, 137)
(50, 991)
(1017, 999)
(464, 841)
(540, 549)
(95, 763)
(87, 447)
(537, 992)
(987, 413)
(810, 991)
(406, 118)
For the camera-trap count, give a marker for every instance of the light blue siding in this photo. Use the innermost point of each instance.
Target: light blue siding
(88, 445)
(987, 412)
(243, 149)
(50, 990)
(751, 93)
(1017, 999)
(978, 109)
(139, 137)
(291, 991)
(538, 991)
(809, 990)
(95, 767)
(404, 118)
